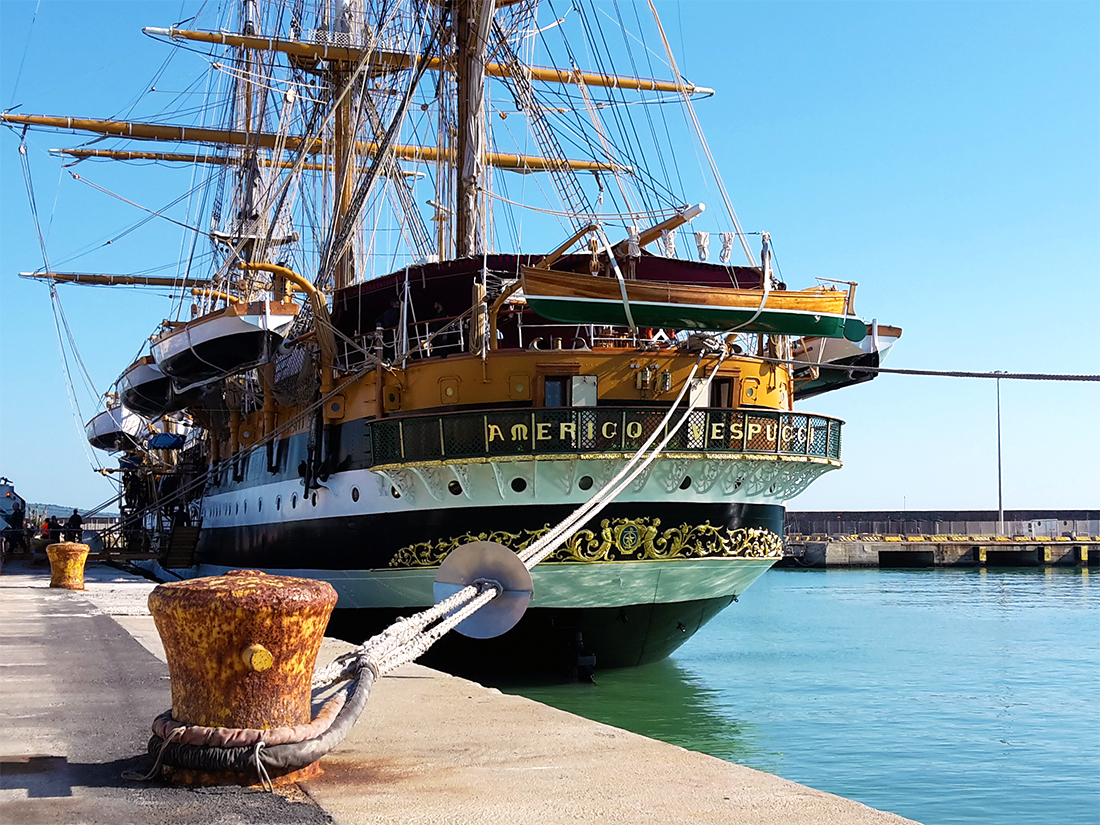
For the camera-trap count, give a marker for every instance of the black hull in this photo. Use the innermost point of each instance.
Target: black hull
(837, 375)
(369, 542)
(553, 641)
(155, 398)
(219, 357)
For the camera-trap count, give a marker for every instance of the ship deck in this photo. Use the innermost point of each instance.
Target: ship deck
(85, 674)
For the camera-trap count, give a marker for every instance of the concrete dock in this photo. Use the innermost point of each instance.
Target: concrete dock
(83, 674)
(939, 551)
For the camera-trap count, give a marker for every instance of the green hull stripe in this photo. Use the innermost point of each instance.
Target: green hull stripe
(673, 316)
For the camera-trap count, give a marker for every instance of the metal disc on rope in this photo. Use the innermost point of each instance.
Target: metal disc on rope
(486, 561)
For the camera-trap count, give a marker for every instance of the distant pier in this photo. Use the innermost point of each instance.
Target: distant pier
(1030, 538)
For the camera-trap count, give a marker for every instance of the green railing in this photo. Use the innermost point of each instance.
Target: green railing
(588, 430)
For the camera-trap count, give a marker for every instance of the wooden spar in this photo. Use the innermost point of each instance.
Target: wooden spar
(170, 157)
(98, 279)
(399, 60)
(268, 140)
(177, 157)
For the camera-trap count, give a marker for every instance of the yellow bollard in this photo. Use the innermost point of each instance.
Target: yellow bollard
(241, 649)
(67, 564)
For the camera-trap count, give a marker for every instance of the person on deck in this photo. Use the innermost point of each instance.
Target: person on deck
(74, 527)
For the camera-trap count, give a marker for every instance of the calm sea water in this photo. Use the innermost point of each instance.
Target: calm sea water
(946, 696)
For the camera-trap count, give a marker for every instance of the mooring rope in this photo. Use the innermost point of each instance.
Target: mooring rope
(237, 750)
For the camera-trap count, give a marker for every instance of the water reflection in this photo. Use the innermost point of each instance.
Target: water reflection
(663, 701)
(879, 684)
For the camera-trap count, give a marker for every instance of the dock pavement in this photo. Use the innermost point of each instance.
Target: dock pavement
(82, 675)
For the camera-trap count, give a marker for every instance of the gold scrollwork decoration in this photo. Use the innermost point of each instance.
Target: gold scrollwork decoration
(641, 539)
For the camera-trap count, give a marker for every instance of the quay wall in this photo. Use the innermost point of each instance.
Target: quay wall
(1021, 523)
(962, 551)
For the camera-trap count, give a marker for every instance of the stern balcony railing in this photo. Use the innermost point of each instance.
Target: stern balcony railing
(597, 431)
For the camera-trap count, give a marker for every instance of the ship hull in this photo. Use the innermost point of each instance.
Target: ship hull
(631, 586)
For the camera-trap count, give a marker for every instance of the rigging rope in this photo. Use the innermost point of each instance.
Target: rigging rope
(1015, 376)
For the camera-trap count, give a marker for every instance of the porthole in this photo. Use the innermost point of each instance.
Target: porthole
(293, 501)
(278, 502)
(455, 488)
(394, 493)
(237, 509)
(519, 485)
(313, 499)
(685, 483)
(354, 493)
(246, 508)
(585, 483)
(259, 505)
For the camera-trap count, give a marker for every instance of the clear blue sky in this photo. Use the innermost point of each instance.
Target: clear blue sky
(944, 155)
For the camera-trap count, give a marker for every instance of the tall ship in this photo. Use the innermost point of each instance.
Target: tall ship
(436, 298)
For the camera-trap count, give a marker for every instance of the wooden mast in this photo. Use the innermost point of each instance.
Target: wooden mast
(343, 145)
(472, 19)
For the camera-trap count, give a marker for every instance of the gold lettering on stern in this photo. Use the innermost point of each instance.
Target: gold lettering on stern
(614, 429)
(495, 432)
(542, 431)
(519, 431)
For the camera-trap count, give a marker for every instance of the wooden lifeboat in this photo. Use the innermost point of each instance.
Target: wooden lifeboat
(116, 429)
(146, 390)
(569, 297)
(223, 342)
(811, 379)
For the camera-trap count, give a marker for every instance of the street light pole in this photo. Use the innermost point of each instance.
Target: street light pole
(1000, 494)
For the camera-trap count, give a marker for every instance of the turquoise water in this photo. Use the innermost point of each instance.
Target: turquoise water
(945, 696)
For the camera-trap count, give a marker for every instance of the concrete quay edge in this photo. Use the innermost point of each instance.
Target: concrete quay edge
(84, 675)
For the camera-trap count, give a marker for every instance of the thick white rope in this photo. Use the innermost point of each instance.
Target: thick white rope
(407, 639)
(609, 489)
(564, 531)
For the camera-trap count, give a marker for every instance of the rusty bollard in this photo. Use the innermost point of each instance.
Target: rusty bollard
(67, 564)
(241, 649)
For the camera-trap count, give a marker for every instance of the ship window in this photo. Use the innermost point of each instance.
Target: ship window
(354, 493)
(259, 505)
(721, 392)
(394, 493)
(455, 488)
(293, 501)
(585, 483)
(278, 502)
(313, 499)
(557, 392)
(685, 483)
(519, 485)
(237, 509)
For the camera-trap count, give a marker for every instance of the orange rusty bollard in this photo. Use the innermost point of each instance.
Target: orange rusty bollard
(241, 649)
(67, 564)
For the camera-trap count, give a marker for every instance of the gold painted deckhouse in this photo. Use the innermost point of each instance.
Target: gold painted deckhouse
(441, 301)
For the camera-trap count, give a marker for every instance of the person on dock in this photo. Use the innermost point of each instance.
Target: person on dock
(54, 531)
(74, 527)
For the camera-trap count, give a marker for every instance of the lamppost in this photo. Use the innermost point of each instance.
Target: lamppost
(1000, 494)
